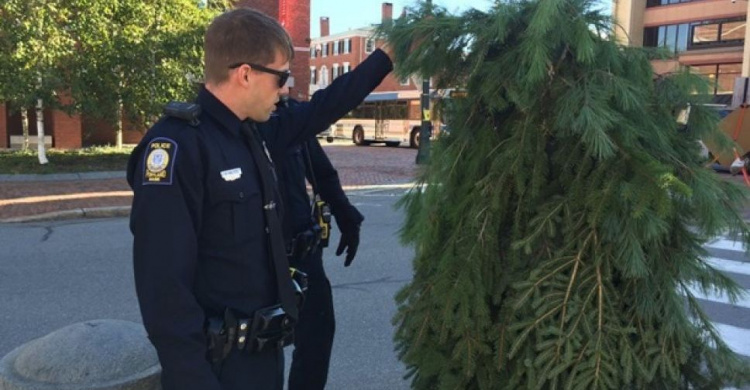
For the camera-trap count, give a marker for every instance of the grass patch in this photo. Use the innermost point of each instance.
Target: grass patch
(65, 161)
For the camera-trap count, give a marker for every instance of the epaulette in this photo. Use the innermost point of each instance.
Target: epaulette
(185, 111)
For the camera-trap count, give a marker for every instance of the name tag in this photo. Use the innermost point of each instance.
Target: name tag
(231, 174)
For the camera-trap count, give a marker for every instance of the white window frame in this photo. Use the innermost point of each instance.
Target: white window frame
(313, 76)
(323, 76)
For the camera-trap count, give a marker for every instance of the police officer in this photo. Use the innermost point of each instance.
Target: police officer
(314, 333)
(202, 208)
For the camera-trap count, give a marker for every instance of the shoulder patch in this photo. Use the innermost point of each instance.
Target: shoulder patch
(158, 166)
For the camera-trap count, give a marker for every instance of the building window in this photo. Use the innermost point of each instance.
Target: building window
(323, 76)
(313, 76)
(687, 36)
(370, 45)
(347, 68)
(325, 50)
(348, 46)
(335, 71)
(718, 33)
(312, 52)
(335, 48)
(675, 37)
(657, 3)
(721, 76)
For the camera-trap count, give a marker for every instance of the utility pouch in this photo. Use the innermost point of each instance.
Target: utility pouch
(271, 329)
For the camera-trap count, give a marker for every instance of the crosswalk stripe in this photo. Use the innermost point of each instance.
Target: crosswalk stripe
(723, 243)
(735, 267)
(712, 296)
(738, 339)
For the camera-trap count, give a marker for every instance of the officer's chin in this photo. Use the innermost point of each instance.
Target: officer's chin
(260, 118)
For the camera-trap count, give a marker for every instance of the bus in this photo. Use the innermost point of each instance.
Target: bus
(391, 118)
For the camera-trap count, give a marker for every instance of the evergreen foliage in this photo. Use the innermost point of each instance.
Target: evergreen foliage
(561, 223)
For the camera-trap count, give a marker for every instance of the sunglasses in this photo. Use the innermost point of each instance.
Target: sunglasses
(283, 74)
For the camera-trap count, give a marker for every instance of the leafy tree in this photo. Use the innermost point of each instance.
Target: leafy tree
(114, 58)
(560, 225)
(31, 44)
(134, 55)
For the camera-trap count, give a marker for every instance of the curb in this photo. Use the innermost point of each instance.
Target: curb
(94, 212)
(96, 175)
(124, 211)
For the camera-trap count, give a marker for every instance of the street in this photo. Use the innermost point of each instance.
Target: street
(54, 274)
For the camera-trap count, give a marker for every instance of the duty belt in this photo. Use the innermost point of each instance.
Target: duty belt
(269, 329)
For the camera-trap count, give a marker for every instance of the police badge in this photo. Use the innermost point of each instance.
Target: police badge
(159, 163)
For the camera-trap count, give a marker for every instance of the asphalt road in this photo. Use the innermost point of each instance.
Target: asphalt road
(54, 274)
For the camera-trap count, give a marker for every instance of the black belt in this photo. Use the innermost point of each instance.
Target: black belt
(269, 329)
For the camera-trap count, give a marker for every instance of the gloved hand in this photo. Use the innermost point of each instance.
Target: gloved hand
(348, 221)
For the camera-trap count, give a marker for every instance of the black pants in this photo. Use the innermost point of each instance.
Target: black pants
(253, 371)
(313, 338)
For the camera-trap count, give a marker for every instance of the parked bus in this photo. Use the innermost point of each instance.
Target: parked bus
(391, 118)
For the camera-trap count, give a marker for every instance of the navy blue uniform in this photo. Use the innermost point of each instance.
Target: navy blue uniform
(315, 331)
(198, 226)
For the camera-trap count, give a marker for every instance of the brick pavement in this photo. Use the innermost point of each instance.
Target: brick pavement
(357, 166)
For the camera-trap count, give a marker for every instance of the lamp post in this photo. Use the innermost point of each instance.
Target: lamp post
(423, 153)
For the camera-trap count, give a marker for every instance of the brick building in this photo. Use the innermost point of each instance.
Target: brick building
(708, 35)
(334, 55)
(69, 132)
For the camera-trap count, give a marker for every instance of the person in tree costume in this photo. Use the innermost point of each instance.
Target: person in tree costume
(560, 224)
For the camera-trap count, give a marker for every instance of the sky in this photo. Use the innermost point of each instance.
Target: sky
(349, 14)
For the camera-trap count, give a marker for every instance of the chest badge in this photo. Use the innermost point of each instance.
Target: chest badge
(231, 174)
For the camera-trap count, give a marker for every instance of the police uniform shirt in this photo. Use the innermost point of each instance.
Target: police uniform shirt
(199, 233)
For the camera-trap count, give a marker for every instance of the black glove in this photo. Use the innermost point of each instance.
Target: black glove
(348, 221)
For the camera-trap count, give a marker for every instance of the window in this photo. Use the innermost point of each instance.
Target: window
(688, 36)
(721, 76)
(657, 3)
(675, 37)
(348, 46)
(347, 68)
(335, 71)
(335, 48)
(325, 50)
(404, 82)
(312, 52)
(313, 76)
(369, 45)
(718, 33)
(323, 76)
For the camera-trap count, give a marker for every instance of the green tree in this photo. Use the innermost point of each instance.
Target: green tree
(115, 59)
(132, 56)
(560, 225)
(31, 46)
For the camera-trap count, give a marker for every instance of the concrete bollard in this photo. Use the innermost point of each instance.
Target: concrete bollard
(91, 355)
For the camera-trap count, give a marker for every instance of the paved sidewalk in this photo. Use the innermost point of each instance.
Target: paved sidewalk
(106, 194)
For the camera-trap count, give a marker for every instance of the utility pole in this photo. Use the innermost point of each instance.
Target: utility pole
(423, 153)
